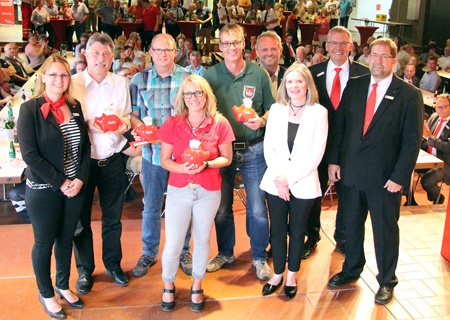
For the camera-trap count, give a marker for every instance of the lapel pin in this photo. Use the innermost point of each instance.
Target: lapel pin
(320, 74)
(76, 114)
(389, 97)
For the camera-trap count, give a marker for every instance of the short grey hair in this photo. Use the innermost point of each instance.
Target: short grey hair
(268, 34)
(340, 29)
(103, 38)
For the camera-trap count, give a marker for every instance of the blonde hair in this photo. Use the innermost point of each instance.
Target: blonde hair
(232, 28)
(203, 85)
(40, 85)
(311, 92)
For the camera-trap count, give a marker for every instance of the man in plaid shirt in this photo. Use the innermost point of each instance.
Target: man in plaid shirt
(153, 92)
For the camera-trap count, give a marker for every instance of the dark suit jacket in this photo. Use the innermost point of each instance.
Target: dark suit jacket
(280, 75)
(319, 73)
(42, 144)
(441, 144)
(390, 147)
(288, 60)
(415, 80)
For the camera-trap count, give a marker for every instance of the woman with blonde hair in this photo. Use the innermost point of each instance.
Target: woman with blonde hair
(193, 192)
(294, 144)
(55, 145)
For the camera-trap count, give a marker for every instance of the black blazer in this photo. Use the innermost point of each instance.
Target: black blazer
(280, 76)
(42, 144)
(415, 80)
(390, 147)
(288, 60)
(441, 144)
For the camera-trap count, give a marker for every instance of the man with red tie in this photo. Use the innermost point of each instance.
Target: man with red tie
(374, 147)
(288, 51)
(331, 78)
(410, 75)
(436, 134)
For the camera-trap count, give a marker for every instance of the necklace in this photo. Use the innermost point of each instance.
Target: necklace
(194, 129)
(297, 107)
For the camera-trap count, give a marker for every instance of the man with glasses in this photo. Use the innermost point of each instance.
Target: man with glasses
(153, 92)
(331, 78)
(232, 80)
(374, 146)
(436, 134)
(100, 91)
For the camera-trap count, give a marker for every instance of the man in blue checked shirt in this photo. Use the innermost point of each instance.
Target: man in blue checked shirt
(153, 92)
(195, 66)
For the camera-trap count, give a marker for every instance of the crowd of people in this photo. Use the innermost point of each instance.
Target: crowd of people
(321, 116)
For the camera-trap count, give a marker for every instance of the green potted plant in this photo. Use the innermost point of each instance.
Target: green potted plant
(63, 50)
(9, 127)
(366, 21)
(130, 17)
(60, 15)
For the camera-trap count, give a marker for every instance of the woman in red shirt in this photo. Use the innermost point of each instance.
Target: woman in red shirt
(193, 192)
(324, 26)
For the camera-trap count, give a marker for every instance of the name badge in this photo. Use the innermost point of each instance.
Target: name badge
(389, 97)
(76, 114)
(320, 74)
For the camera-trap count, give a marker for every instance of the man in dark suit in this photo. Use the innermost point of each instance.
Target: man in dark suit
(410, 75)
(375, 142)
(339, 45)
(436, 134)
(268, 49)
(288, 51)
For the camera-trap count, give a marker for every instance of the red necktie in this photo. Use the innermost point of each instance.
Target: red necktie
(291, 52)
(435, 133)
(335, 96)
(409, 81)
(370, 108)
(49, 105)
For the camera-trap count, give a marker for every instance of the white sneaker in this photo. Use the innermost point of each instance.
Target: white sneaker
(263, 271)
(218, 262)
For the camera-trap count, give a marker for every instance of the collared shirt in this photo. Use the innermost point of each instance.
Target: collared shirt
(109, 13)
(78, 12)
(343, 75)
(331, 7)
(345, 6)
(239, 11)
(154, 97)
(271, 15)
(109, 97)
(444, 62)
(223, 12)
(430, 81)
(199, 71)
(52, 11)
(383, 85)
(177, 14)
(438, 134)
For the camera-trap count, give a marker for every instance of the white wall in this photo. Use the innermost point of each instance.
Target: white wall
(367, 9)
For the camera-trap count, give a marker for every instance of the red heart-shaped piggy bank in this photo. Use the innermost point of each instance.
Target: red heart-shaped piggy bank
(147, 132)
(195, 156)
(109, 122)
(243, 114)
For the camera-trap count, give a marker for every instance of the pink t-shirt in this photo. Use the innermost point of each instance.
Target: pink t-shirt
(212, 133)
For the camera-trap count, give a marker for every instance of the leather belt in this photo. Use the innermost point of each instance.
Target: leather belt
(242, 145)
(104, 162)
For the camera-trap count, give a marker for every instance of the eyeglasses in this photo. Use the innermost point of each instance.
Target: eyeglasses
(442, 107)
(235, 44)
(55, 76)
(382, 56)
(198, 94)
(98, 53)
(336, 43)
(159, 51)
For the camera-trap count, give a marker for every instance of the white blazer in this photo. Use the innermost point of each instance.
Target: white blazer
(300, 166)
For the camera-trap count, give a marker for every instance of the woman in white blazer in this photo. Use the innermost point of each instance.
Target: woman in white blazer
(294, 145)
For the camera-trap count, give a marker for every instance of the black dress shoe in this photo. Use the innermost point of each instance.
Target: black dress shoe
(290, 291)
(308, 248)
(384, 295)
(197, 307)
(268, 288)
(168, 306)
(120, 278)
(61, 314)
(84, 283)
(77, 304)
(340, 247)
(339, 279)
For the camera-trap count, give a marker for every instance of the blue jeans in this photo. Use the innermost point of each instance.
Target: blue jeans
(252, 166)
(155, 181)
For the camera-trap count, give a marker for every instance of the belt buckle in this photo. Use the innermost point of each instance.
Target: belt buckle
(102, 162)
(240, 145)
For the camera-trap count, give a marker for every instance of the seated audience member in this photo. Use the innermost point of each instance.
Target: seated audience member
(5, 97)
(300, 55)
(120, 57)
(139, 62)
(80, 66)
(20, 76)
(354, 55)
(131, 66)
(409, 75)
(5, 79)
(78, 58)
(83, 40)
(121, 41)
(288, 51)
(248, 56)
(195, 67)
(444, 61)
(125, 72)
(436, 134)
(423, 58)
(252, 47)
(430, 80)
(133, 44)
(404, 55)
(318, 58)
(364, 59)
(17, 196)
(182, 56)
(36, 51)
(415, 60)
(309, 51)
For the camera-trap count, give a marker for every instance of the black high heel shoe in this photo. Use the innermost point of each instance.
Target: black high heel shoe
(77, 304)
(168, 306)
(61, 314)
(270, 288)
(290, 291)
(197, 307)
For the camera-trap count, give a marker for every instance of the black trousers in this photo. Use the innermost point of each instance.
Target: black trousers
(173, 29)
(109, 29)
(313, 226)
(110, 184)
(344, 22)
(430, 182)
(54, 219)
(384, 208)
(287, 218)
(69, 38)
